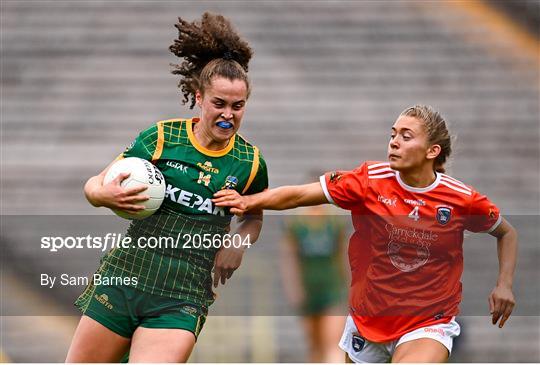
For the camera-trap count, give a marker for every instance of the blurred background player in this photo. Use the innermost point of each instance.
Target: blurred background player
(159, 317)
(315, 279)
(406, 254)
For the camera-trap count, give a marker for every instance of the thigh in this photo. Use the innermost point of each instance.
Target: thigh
(312, 330)
(312, 327)
(421, 350)
(93, 342)
(332, 327)
(331, 330)
(161, 345)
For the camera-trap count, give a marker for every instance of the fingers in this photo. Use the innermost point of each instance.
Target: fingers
(226, 192)
(136, 190)
(226, 201)
(500, 308)
(121, 177)
(496, 313)
(129, 203)
(132, 208)
(238, 212)
(222, 275)
(217, 276)
(135, 198)
(225, 197)
(491, 305)
(506, 314)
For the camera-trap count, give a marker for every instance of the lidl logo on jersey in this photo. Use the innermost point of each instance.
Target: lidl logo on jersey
(192, 200)
(104, 299)
(443, 215)
(207, 166)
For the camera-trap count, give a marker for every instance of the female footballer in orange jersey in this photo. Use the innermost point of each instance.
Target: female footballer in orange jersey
(406, 253)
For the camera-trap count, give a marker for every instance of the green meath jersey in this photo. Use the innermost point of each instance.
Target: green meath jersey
(192, 175)
(317, 241)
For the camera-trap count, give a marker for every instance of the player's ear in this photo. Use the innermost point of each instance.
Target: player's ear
(198, 98)
(433, 151)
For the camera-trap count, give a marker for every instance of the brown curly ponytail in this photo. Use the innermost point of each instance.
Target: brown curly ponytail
(436, 129)
(209, 48)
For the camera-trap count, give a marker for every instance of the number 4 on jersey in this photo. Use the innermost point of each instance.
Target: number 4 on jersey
(414, 214)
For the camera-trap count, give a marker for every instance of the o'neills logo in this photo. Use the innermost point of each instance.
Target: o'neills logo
(104, 299)
(440, 331)
(418, 203)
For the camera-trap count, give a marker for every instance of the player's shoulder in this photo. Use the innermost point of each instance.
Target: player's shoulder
(174, 131)
(455, 186)
(172, 123)
(245, 150)
(241, 141)
(378, 170)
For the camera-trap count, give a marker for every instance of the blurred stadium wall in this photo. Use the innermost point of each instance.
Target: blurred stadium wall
(80, 79)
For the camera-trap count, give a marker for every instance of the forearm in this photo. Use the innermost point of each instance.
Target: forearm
(507, 252)
(287, 197)
(249, 227)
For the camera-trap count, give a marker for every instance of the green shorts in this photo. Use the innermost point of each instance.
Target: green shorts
(318, 302)
(123, 308)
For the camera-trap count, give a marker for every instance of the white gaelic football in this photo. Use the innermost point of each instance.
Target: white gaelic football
(142, 172)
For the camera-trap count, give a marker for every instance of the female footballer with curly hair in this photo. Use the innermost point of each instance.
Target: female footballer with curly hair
(158, 316)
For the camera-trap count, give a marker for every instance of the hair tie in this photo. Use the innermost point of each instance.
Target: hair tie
(227, 55)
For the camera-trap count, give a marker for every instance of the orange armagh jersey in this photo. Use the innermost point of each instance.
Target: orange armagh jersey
(406, 253)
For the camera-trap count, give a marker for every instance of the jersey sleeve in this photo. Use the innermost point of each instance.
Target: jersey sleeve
(484, 216)
(144, 145)
(260, 182)
(346, 189)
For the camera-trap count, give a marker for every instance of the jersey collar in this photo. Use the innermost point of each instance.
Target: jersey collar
(202, 149)
(419, 190)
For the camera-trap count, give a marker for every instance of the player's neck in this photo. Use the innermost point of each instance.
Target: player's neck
(205, 139)
(418, 178)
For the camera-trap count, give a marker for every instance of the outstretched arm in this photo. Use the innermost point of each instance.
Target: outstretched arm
(284, 197)
(501, 299)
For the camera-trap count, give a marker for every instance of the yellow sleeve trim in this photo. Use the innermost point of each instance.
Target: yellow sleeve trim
(160, 141)
(119, 157)
(254, 169)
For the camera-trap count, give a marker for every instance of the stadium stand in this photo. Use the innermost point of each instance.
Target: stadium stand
(79, 79)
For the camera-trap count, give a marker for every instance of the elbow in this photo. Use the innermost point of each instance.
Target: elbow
(89, 192)
(511, 232)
